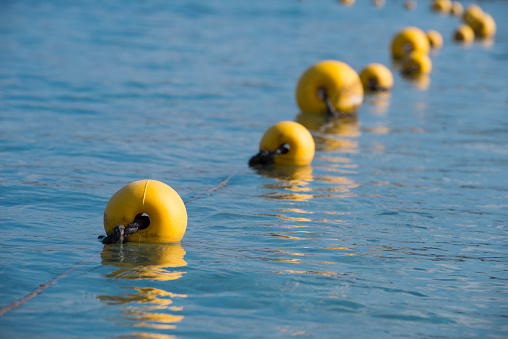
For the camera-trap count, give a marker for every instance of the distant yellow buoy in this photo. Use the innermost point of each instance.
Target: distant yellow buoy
(285, 143)
(408, 40)
(416, 63)
(435, 39)
(164, 207)
(472, 13)
(410, 5)
(378, 3)
(347, 2)
(484, 26)
(457, 8)
(441, 6)
(376, 77)
(464, 33)
(339, 81)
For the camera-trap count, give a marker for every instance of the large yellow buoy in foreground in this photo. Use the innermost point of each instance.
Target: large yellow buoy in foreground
(164, 207)
(376, 77)
(285, 143)
(416, 64)
(408, 40)
(339, 81)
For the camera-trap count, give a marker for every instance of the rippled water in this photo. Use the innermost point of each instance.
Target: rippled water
(397, 229)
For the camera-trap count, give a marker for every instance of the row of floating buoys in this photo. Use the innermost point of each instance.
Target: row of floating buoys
(476, 22)
(329, 88)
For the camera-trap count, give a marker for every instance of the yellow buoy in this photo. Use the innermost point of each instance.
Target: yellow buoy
(484, 26)
(347, 2)
(410, 5)
(164, 207)
(435, 39)
(457, 8)
(464, 33)
(285, 143)
(472, 13)
(378, 3)
(376, 77)
(340, 82)
(416, 63)
(441, 6)
(408, 40)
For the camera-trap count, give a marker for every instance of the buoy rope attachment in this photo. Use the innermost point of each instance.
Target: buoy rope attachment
(121, 233)
(265, 157)
(331, 111)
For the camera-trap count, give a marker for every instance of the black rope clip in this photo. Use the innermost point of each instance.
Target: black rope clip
(331, 111)
(121, 233)
(265, 157)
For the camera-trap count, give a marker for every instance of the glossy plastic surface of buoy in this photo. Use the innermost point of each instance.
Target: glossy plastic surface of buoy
(341, 83)
(299, 139)
(162, 204)
(376, 77)
(435, 39)
(464, 33)
(408, 40)
(416, 63)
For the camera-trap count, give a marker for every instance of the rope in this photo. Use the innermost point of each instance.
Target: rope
(120, 235)
(331, 110)
(42, 287)
(265, 157)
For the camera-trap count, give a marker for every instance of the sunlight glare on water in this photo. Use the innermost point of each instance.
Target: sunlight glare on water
(396, 229)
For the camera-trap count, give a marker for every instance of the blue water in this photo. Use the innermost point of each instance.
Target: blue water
(397, 229)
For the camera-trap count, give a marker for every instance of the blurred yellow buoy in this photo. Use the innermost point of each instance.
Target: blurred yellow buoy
(457, 8)
(337, 80)
(435, 39)
(464, 33)
(164, 207)
(376, 77)
(484, 26)
(285, 143)
(347, 2)
(472, 13)
(410, 5)
(416, 63)
(408, 40)
(378, 3)
(441, 6)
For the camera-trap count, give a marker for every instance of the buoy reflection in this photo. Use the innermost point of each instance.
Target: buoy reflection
(292, 182)
(147, 307)
(420, 82)
(379, 103)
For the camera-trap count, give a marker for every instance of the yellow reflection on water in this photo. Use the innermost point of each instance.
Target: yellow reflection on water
(144, 335)
(421, 82)
(144, 261)
(295, 179)
(379, 103)
(346, 126)
(148, 307)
